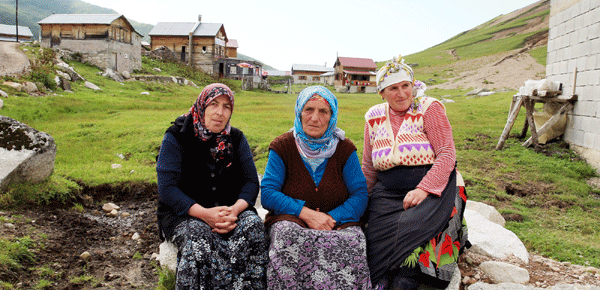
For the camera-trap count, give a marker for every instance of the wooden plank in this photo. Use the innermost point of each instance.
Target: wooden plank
(529, 108)
(553, 120)
(515, 108)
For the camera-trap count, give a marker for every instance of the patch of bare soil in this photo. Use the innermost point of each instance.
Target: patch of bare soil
(507, 70)
(116, 261)
(12, 60)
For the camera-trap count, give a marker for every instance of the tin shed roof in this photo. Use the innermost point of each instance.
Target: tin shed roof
(184, 29)
(311, 67)
(366, 63)
(80, 19)
(11, 30)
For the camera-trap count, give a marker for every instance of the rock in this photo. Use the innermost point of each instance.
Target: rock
(64, 67)
(145, 93)
(491, 239)
(125, 214)
(108, 207)
(501, 272)
(113, 213)
(30, 87)
(91, 86)
(65, 84)
(443, 101)
(484, 94)
(168, 255)
(113, 75)
(10, 226)
(135, 236)
(475, 92)
(64, 75)
(116, 166)
(487, 211)
(16, 86)
(157, 69)
(3, 94)
(1, 104)
(27, 154)
(85, 256)
(126, 75)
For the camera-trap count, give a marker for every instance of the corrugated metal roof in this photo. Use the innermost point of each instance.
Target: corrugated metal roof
(357, 62)
(172, 28)
(10, 30)
(80, 19)
(311, 67)
(184, 28)
(358, 72)
(208, 29)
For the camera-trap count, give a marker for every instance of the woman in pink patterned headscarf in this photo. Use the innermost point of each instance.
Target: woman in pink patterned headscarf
(208, 185)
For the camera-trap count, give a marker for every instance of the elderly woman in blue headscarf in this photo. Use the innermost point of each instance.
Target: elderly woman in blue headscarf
(316, 193)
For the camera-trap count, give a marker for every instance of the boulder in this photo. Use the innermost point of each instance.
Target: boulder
(487, 211)
(91, 86)
(501, 272)
(26, 154)
(113, 75)
(30, 87)
(3, 94)
(493, 240)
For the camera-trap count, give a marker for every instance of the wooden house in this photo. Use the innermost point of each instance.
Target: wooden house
(355, 75)
(309, 74)
(201, 45)
(104, 40)
(9, 33)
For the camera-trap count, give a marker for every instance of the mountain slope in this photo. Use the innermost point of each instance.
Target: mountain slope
(501, 53)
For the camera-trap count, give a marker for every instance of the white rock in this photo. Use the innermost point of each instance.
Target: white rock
(108, 207)
(168, 255)
(487, 211)
(116, 166)
(10, 226)
(91, 86)
(1, 104)
(135, 236)
(144, 93)
(113, 213)
(3, 94)
(501, 272)
(85, 255)
(493, 240)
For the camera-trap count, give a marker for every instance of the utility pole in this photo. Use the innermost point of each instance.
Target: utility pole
(17, 18)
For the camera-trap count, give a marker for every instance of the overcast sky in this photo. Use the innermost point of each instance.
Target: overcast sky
(280, 33)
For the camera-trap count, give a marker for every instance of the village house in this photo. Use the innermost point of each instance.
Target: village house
(309, 74)
(355, 75)
(103, 40)
(204, 46)
(9, 33)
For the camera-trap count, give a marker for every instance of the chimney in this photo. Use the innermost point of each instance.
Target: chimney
(199, 17)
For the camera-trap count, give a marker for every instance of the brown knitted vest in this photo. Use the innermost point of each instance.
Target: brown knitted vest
(298, 183)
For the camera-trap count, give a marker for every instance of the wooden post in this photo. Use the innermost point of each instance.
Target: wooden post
(529, 108)
(512, 116)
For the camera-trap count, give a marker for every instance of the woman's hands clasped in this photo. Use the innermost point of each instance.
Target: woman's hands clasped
(317, 220)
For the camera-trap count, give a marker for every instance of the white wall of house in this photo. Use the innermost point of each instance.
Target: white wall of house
(574, 44)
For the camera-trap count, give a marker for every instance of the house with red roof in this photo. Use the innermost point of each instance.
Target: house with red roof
(355, 75)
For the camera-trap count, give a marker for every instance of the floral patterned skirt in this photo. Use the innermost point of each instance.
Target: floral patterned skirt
(302, 258)
(208, 260)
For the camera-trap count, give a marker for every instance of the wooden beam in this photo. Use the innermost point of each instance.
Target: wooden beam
(515, 108)
(529, 108)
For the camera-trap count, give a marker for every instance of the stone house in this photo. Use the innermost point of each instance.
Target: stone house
(103, 40)
(309, 74)
(355, 75)
(574, 46)
(9, 33)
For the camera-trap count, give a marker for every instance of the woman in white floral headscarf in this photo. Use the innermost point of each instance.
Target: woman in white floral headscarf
(414, 216)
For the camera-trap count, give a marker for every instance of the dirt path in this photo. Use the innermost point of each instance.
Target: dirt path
(12, 60)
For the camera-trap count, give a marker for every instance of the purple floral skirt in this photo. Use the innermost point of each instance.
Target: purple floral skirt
(301, 258)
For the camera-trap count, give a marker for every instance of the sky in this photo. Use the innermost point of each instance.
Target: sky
(281, 33)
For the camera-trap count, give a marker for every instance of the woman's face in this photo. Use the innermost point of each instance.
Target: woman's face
(315, 118)
(217, 114)
(399, 96)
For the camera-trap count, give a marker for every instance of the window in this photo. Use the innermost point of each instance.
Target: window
(233, 70)
(316, 79)
(204, 49)
(302, 78)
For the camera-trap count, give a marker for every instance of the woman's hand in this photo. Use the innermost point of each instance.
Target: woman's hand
(317, 220)
(414, 198)
(220, 218)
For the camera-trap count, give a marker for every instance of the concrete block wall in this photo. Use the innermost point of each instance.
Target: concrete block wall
(574, 44)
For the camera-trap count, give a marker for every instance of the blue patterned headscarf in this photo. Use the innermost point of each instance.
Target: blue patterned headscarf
(325, 146)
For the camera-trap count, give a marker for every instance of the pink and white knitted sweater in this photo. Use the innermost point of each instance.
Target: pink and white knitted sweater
(427, 132)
